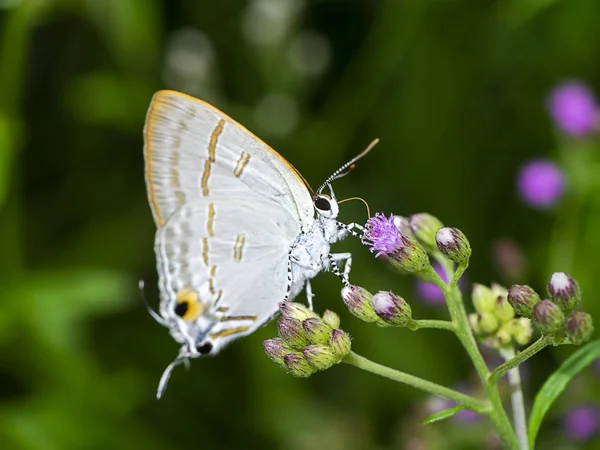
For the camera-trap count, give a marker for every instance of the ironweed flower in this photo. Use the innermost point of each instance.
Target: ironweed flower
(564, 291)
(392, 308)
(454, 244)
(425, 226)
(573, 108)
(523, 298)
(358, 302)
(384, 238)
(540, 183)
(548, 317)
(579, 327)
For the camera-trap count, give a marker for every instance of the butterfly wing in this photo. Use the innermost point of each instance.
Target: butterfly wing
(193, 150)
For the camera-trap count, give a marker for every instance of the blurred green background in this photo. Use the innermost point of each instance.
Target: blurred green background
(456, 92)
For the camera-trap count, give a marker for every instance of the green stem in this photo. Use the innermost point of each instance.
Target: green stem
(518, 359)
(464, 333)
(467, 401)
(415, 325)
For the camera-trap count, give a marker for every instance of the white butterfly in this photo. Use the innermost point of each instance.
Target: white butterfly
(238, 229)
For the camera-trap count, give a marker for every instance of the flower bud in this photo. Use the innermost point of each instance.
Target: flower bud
(296, 311)
(340, 343)
(316, 330)
(321, 357)
(564, 291)
(548, 317)
(483, 298)
(291, 332)
(298, 365)
(522, 298)
(521, 330)
(580, 327)
(503, 310)
(425, 226)
(392, 308)
(487, 322)
(454, 244)
(358, 301)
(403, 226)
(276, 349)
(331, 319)
(502, 338)
(474, 323)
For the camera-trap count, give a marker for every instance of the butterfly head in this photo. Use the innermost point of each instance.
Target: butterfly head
(326, 206)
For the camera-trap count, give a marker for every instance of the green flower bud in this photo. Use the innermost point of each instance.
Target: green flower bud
(474, 323)
(580, 327)
(503, 310)
(331, 319)
(564, 291)
(340, 343)
(484, 299)
(392, 308)
(358, 301)
(454, 244)
(321, 357)
(410, 257)
(522, 298)
(487, 322)
(548, 317)
(425, 226)
(521, 330)
(503, 338)
(291, 332)
(276, 349)
(317, 331)
(296, 311)
(298, 365)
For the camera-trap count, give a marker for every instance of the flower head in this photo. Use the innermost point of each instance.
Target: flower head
(454, 244)
(564, 291)
(540, 183)
(392, 308)
(581, 423)
(579, 327)
(523, 298)
(573, 108)
(548, 317)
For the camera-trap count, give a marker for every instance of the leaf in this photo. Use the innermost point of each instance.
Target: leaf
(445, 414)
(557, 382)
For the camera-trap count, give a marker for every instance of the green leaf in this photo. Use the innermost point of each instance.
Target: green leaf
(557, 383)
(445, 414)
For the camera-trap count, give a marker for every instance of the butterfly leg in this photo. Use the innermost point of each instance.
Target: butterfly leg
(344, 230)
(309, 295)
(347, 257)
(335, 268)
(289, 277)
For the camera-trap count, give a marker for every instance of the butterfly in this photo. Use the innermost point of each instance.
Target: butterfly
(238, 230)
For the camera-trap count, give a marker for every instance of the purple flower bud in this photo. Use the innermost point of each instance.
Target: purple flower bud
(383, 237)
(317, 331)
(321, 357)
(296, 311)
(340, 343)
(454, 244)
(540, 183)
(564, 291)
(580, 327)
(391, 308)
(358, 301)
(573, 108)
(298, 365)
(425, 226)
(331, 319)
(581, 423)
(276, 349)
(548, 317)
(523, 298)
(291, 332)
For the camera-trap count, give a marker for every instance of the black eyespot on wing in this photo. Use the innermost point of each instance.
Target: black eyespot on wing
(322, 203)
(181, 308)
(205, 348)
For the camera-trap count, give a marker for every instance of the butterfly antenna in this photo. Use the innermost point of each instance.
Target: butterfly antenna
(346, 168)
(153, 313)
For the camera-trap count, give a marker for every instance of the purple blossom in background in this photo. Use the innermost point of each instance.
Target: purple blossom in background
(540, 183)
(429, 292)
(573, 108)
(581, 423)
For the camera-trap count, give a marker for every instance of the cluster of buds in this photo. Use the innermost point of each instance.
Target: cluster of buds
(307, 342)
(384, 308)
(494, 321)
(557, 316)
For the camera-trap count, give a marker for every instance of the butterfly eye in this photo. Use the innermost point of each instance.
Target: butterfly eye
(205, 348)
(322, 203)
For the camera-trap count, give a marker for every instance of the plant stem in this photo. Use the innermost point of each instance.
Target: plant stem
(463, 331)
(516, 398)
(427, 323)
(467, 401)
(518, 359)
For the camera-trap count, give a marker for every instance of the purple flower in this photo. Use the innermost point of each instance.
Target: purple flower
(540, 183)
(581, 423)
(429, 292)
(382, 235)
(573, 108)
